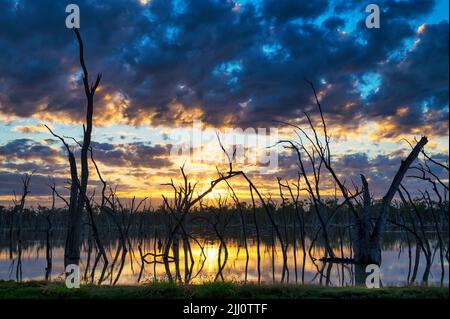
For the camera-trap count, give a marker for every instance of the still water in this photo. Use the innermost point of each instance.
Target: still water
(399, 261)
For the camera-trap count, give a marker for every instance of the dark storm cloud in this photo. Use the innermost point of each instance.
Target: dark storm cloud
(391, 9)
(26, 155)
(26, 149)
(242, 64)
(38, 57)
(418, 82)
(132, 155)
(39, 184)
(287, 10)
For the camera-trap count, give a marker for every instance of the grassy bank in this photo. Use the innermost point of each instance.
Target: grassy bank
(42, 290)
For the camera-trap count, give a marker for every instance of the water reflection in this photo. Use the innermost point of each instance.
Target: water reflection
(398, 266)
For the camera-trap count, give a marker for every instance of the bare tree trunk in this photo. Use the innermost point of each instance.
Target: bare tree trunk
(416, 264)
(72, 244)
(376, 238)
(11, 235)
(20, 208)
(367, 242)
(78, 188)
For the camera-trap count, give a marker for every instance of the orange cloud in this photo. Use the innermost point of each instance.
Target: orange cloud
(29, 129)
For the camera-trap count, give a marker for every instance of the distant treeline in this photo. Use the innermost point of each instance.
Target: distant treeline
(145, 221)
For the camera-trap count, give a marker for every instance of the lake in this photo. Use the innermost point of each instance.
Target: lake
(397, 267)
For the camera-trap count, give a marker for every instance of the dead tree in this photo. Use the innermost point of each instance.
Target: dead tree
(438, 208)
(299, 214)
(312, 185)
(19, 206)
(49, 235)
(184, 200)
(268, 209)
(78, 189)
(367, 239)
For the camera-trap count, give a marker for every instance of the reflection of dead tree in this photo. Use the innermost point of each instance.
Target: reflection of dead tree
(299, 213)
(123, 230)
(243, 227)
(437, 209)
(258, 238)
(219, 225)
(102, 252)
(202, 256)
(48, 235)
(141, 254)
(418, 230)
(282, 217)
(78, 197)
(437, 226)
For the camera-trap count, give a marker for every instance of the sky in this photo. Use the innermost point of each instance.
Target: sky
(173, 69)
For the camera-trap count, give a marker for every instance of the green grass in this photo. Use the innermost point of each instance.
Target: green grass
(43, 290)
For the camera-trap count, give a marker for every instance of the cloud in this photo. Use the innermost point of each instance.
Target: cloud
(39, 184)
(27, 155)
(132, 155)
(413, 96)
(47, 161)
(28, 149)
(288, 10)
(168, 62)
(29, 129)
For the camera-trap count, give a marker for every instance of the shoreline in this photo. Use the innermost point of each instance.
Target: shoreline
(225, 290)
